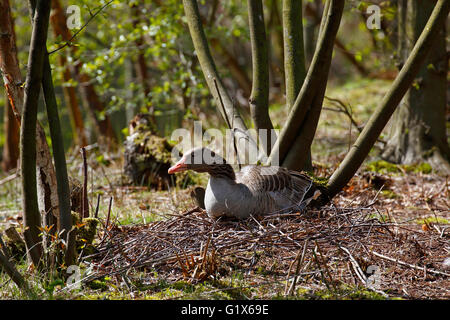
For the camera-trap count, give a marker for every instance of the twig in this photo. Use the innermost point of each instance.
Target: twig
(9, 178)
(297, 269)
(109, 213)
(82, 28)
(84, 203)
(379, 255)
(97, 208)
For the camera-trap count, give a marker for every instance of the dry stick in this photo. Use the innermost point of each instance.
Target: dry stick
(361, 275)
(379, 255)
(85, 205)
(98, 206)
(9, 178)
(109, 213)
(297, 270)
(325, 264)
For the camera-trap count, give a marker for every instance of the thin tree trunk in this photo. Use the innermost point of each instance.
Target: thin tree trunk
(275, 45)
(294, 55)
(32, 217)
(209, 68)
(259, 97)
(11, 147)
(65, 216)
(12, 78)
(384, 111)
(310, 96)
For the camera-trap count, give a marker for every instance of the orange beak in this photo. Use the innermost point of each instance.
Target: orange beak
(178, 167)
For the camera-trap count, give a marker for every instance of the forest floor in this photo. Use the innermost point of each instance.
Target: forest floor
(386, 235)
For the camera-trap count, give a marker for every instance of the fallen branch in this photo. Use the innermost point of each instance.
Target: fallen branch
(379, 255)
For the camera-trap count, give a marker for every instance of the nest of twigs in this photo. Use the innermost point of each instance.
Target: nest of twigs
(320, 249)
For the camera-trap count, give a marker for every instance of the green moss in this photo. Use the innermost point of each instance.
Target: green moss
(343, 292)
(321, 181)
(428, 220)
(389, 194)
(384, 167)
(381, 166)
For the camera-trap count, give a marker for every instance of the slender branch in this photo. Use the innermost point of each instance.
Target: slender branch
(68, 42)
(207, 62)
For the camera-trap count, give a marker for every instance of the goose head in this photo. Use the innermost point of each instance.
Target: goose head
(203, 159)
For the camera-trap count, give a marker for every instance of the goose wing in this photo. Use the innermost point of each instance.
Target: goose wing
(287, 188)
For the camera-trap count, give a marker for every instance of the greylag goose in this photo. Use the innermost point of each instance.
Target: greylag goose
(255, 190)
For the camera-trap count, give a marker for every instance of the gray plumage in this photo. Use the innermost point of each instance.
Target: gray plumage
(255, 190)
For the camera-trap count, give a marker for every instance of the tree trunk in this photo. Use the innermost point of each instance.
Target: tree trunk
(12, 78)
(294, 53)
(384, 111)
(294, 56)
(259, 97)
(310, 97)
(418, 125)
(32, 217)
(90, 98)
(11, 147)
(213, 80)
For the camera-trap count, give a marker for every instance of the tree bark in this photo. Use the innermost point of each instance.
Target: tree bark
(294, 53)
(294, 56)
(418, 124)
(10, 154)
(32, 218)
(65, 216)
(259, 97)
(384, 111)
(12, 78)
(310, 97)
